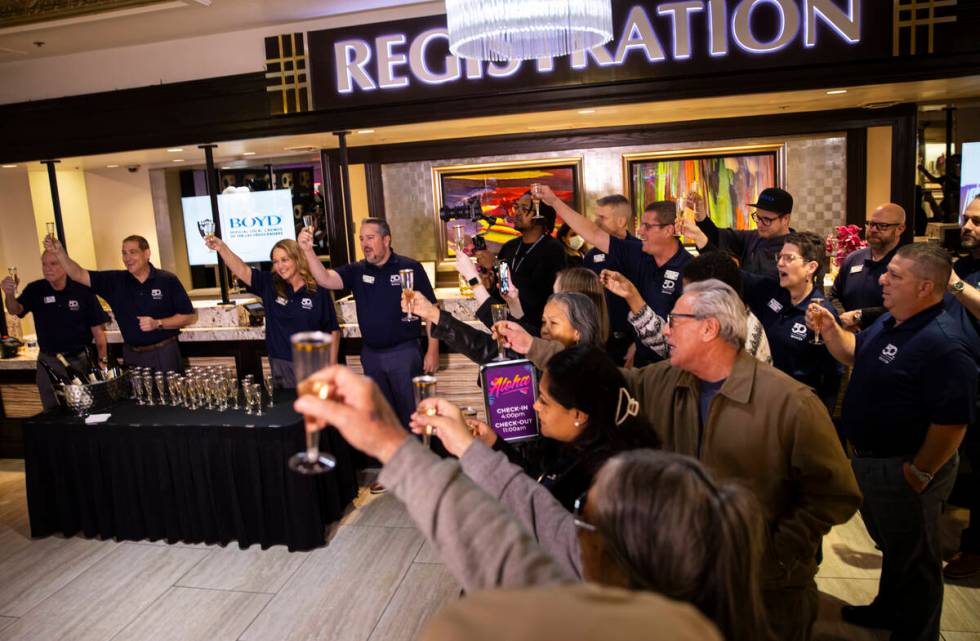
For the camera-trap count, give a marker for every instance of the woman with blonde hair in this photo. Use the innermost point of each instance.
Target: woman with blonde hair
(293, 302)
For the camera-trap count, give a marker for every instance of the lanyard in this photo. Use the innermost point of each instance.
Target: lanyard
(517, 263)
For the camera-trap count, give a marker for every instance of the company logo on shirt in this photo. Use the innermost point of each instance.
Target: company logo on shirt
(157, 294)
(799, 331)
(307, 303)
(774, 305)
(669, 283)
(888, 353)
(73, 305)
(395, 280)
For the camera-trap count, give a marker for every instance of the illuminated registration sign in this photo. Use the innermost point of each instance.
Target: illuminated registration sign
(410, 58)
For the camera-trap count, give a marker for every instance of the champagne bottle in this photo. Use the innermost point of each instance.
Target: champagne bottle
(76, 376)
(57, 378)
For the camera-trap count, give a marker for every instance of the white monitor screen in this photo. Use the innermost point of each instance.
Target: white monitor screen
(969, 175)
(251, 223)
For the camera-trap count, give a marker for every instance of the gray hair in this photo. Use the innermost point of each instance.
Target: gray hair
(381, 223)
(582, 314)
(929, 262)
(714, 299)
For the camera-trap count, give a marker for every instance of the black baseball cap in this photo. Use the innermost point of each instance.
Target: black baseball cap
(775, 200)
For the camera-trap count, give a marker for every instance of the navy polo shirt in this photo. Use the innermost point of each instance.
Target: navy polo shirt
(755, 253)
(856, 285)
(596, 261)
(378, 294)
(301, 311)
(64, 319)
(968, 323)
(905, 378)
(660, 286)
(160, 296)
(789, 337)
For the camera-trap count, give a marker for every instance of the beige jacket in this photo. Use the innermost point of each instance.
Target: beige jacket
(766, 430)
(581, 612)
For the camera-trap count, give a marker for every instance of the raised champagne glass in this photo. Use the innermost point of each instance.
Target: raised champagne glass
(499, 313)
(816, 339)
(12, 272)
(50, 228)
(407, 277)
(309, 223)
(206, 228)
(536, 199)
(311, 353)
(425, 387)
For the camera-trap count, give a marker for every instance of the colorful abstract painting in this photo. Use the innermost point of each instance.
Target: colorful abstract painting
(498, 190)
(727, 183)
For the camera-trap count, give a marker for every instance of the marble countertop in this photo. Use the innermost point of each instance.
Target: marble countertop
(25, 360)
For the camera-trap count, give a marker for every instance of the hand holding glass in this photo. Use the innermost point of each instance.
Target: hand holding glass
(311, 353)
(408, 285)
(425, 387)
(309, 223)
(499, 313)
(816, 340)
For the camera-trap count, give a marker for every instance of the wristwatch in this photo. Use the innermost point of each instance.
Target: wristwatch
(958, 287)
(473, 282)
(924, 477)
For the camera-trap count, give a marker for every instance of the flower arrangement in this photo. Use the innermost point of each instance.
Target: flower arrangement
(842, 241)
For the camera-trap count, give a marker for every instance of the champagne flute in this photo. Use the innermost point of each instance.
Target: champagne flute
(12, 272)
(817, 339)
(206, 227)
(50, 229)
(309, 223)
(408, 284)
(256, 390)
(425, 387)
(269, 387)
(148, 387)
(459, 236)
(161, 387)
(499, 313)
(311, 353)
(536, 199)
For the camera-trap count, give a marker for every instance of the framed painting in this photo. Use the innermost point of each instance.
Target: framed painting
(727, 179)
(497, 186)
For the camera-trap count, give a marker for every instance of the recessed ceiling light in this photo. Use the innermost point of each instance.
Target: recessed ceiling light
(8, 166)
(178, 160)
(111, 166)
(836, 92)
(365, 131)
(248, 153)
(586, 111)
(175, 150)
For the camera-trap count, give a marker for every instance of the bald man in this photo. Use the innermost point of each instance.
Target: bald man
(856, 289)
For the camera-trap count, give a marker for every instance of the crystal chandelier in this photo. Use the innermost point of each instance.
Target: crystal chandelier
(501, 30)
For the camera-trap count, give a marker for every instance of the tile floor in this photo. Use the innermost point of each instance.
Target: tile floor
(376, 580)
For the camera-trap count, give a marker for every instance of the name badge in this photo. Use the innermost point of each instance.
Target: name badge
(49, 299)
(281, 300)
(774, 305)
(599, 258)
(671, 274)
(857, 268)
(368, 279)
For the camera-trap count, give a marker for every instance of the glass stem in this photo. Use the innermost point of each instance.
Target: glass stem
(312, 445)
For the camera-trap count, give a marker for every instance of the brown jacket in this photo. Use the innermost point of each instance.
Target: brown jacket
(569, 613)
(765, 430)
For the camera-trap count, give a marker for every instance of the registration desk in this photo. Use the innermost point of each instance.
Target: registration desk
(172, 474)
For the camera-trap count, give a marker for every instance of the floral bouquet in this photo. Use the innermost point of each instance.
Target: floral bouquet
(842, 241)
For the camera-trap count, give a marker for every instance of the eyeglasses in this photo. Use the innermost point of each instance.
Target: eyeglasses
(765, 221)
(789, 258)
(577, 508)
(880, 226)
(645, 226)
(672, 317)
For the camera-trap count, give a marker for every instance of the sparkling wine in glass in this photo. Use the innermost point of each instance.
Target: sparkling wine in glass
(206, 227)
(269, 383)
(425, 387)
(499, 313)
(408, 291)
(12, 272)
(311, 353)
(817, 339)
(309, 223)
(536, 199)
(49, 227)
(256, 391)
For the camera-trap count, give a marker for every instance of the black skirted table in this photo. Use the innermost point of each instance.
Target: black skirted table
(180, 475)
